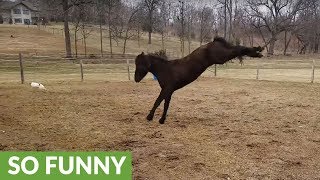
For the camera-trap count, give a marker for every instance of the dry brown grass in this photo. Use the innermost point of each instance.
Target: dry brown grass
(216, 128)
(172, 43)
(32, 41)
(28, 40)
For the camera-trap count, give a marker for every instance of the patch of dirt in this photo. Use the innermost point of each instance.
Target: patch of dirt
(216, 128)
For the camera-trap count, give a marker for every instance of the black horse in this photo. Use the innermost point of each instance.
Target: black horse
(175, 74)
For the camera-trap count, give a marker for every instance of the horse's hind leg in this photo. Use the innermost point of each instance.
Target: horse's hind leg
(156, 104)
(165, 110)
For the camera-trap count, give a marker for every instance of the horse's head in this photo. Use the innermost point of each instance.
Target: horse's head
(142, 67)
(255, 52)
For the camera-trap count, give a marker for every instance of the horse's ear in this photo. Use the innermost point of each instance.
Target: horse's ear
(259, 48)
(142, 53)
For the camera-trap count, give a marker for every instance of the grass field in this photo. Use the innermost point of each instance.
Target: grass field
(34, 41)
(226, 127)
(42, 51)
(216, 128)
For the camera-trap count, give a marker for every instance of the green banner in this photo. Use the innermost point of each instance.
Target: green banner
(65, 165)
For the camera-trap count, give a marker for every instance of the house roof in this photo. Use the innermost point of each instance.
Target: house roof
(10, 5)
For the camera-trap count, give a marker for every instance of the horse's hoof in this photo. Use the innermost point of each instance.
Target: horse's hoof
(150, 117)
(161, 121)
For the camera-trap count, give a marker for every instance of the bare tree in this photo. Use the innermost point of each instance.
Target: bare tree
(130, 19)
(1, 18)
(206, 19)
(165, 9)
(225, 4)
(151, 6)
(76, 17)
(181, 19)
(65, 5)
(229, 12)
(111, 6)
(245, 27)
(100, 8)
(190, 20)
(85, 31)
(308, 28)
(278, 17)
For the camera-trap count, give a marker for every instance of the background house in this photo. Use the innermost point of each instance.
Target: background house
(19, 12)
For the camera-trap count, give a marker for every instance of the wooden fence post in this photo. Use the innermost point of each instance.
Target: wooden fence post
(128, 68)
(21, 68)
(215, 70)
(313, 69)
(81, 70)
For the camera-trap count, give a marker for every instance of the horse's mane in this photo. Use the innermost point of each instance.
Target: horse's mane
(222, 41)
(158, 58)
(159, 55)
(226, 44)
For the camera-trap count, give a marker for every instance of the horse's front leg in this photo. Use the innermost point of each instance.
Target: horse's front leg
(165, 110)
(156, 104)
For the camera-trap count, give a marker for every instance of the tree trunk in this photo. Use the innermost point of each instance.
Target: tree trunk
(201, 28)
(189, 33)
(76, 41)
(162, 40)
(316, 43)
(225, 19)
(286, 42)
(84, 41)
(316, 47)
(124, 46)
(139, 37)
(110, 41)
(67, 39)
(149, 35)
(271, 46)
(150, 27)
(125, 42)
(189, 37)
(230, 19)
(201, 34)
(101, 42)
(85, 46)
(109, 29)
(189, 44)
(182, 29)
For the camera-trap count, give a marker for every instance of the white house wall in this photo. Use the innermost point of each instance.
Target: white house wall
(21, 16)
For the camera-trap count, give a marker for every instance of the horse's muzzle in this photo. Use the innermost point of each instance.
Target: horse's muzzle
(138, 76)
(136, 80)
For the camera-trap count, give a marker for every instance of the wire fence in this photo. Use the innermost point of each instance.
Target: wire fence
(15, 68)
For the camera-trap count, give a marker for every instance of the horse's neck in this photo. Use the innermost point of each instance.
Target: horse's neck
(223, 55)
(157, 65)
